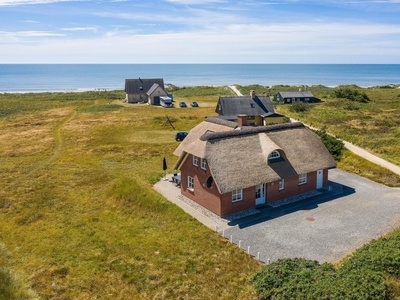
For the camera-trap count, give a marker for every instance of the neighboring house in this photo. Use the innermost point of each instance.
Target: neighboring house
(259, 110)
(145, 90)
(289, 97)
(227, 168)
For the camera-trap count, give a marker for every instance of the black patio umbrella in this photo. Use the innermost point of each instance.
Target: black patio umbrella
(164, 166)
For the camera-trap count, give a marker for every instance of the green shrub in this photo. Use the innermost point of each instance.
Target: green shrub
(305, 279)
(299, 107)
(291, 279)
(361, 276)
(334, 145)
(351, 94)
(381, 255)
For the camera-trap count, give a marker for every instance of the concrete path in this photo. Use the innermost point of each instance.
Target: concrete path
(168, 189)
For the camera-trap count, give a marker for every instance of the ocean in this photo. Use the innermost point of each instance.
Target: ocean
(21, 78)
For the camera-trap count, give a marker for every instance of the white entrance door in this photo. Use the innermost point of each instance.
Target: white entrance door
(320, 177)
(260, 194)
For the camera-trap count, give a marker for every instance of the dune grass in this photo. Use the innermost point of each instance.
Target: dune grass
(374, 126)
(352, 163)
(79, 218)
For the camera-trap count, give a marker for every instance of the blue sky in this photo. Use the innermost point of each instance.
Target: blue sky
(199, 31)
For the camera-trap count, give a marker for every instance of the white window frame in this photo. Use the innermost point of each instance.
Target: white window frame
(203, 163)
(195, 161)
(302, 179)
(281, 184)
(274, 154)
(237, 195)
(190, 183)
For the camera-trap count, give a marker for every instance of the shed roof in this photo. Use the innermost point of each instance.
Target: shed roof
(141, 86)
(298, 94)
(238, 158)
(152, 89)
(251, 106)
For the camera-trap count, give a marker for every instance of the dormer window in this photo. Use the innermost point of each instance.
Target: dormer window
(274, 155)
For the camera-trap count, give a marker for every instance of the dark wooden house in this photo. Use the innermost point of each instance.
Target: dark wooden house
(290, 97)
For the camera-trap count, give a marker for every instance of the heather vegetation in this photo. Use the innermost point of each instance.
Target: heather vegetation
(79, 218)
(334, 145)
(371, 272)
(351, 94)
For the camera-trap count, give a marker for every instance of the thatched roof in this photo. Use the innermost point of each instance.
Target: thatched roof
(238, 158)
(192, 143)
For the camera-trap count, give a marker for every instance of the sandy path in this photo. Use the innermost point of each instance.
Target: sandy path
(364, 154)
(233, 88)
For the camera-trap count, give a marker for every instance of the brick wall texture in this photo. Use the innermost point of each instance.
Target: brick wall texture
(221, 204)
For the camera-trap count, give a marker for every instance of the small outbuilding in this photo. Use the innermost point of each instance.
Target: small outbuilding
(227, 168)
(290, 97)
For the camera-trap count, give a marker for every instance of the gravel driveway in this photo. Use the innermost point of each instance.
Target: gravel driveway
(326, 227)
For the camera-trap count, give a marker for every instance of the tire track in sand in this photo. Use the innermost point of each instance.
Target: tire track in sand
(57, 149)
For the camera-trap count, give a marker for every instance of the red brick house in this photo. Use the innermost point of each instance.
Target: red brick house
(226, 167)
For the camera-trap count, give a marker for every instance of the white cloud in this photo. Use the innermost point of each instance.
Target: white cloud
(188, 2)
(16, 34)
(28, 2)
(240, 43)
(80, 29)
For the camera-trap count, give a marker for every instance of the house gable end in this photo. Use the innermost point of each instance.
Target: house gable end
(251, 106)
(141, 86)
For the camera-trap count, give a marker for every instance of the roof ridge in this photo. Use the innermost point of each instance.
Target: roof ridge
(241, 131)
(219, 121)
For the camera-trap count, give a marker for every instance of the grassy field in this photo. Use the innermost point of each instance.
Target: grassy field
(78, 216)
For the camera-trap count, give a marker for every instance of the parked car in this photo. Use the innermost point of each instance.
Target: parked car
(194, 104)
(180, 136)
(182, 104)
